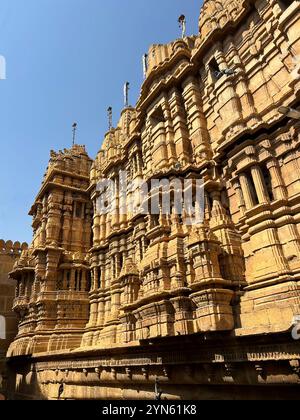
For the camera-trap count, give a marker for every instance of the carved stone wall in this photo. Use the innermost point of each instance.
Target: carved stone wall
(9, 254)
(53, 275)
(115, 281)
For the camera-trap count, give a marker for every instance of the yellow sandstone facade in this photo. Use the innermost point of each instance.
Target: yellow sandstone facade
(9, 254)
(111, 303)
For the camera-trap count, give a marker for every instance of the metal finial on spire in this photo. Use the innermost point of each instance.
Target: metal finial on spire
(145, 65)
(126, 94)
(74, 127)
(110, 115)
(182, 25)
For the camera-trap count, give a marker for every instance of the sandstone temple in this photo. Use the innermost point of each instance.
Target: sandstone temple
(110, 306)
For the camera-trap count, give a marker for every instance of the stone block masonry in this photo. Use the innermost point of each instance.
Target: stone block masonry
(109, 303)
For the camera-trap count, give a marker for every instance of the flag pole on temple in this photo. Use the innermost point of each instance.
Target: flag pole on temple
(74, 127)
(110, 115)
(126, 94)
(182, 25)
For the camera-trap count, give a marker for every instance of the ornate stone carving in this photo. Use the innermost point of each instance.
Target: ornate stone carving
(126, 285)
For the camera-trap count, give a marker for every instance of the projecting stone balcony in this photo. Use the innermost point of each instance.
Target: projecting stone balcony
(20, 303)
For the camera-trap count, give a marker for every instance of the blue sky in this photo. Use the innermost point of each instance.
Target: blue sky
(67, 60)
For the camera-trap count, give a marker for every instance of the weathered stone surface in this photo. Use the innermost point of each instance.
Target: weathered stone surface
(93, 285)
(9, 254)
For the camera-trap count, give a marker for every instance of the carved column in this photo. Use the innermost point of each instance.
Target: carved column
(54, 218)
(72, 280)
(103, 230)
(260, 187)
(197, 124)
(96, 279)
(229, 104)
(181, 134)
(84, 280)
(246, 97)
(159, 141)
(101, 312)
(96, 229)
(249, 201)
(116, 204)
(22, 286)
(239, 194)
(277, 180)
(94, 314)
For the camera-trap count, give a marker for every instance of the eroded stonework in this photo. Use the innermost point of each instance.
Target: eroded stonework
(106, 299)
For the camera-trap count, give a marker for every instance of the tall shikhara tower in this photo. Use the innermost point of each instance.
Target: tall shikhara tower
(109, 303)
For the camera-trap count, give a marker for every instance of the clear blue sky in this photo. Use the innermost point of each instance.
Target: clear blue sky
(67, 61)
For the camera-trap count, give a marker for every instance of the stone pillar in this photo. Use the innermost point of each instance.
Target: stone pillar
(84, 280)
(72, 280)
(260, 187)
(123, 199)
(27, 285)
(107, 309)
(22, 286)
(17, 292)
(116, 206)
(65, 280)
(170, 141)
(181, 133)
(239, 194)
(94, 314)
(51, 270)
(87, 227)
(102, 278)
(101, 312)
(96, 230)
(54, 217)
(44, 223)
(67, 210)
(277, 180)
(249, 201)
(102, 228)
(139, 163)
(248, 106)
(197, 124)
(160, 156)
(118, 264)
(92, 280)
(229, 104)
(96, 280)
(115, 303)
